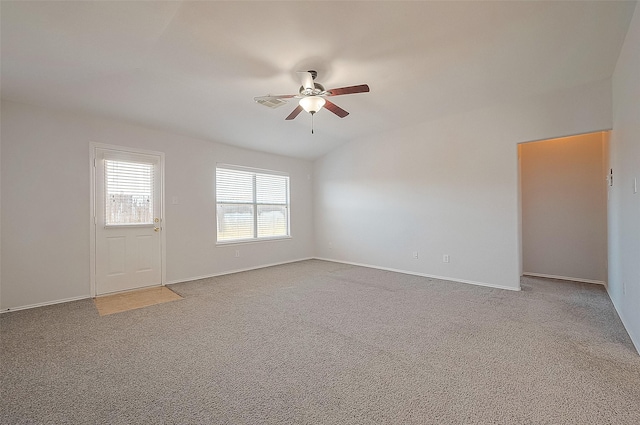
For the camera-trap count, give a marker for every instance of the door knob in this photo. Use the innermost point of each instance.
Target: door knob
(156, 229)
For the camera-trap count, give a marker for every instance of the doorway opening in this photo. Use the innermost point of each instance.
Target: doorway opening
(563, 207)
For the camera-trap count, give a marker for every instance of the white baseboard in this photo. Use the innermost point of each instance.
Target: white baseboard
(237, 271)
(490, 285)
(65, 300)
(573, 279)
(470, 282)
(83, 297)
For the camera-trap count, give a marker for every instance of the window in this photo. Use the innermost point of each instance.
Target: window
(251, 204)
(128, 193)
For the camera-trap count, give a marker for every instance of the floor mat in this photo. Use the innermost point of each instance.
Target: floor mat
(117, 303)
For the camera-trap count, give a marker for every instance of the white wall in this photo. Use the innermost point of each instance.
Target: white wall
(624, 204)
(45, 203)
(564, 208)
(444, 187)
(0, 212)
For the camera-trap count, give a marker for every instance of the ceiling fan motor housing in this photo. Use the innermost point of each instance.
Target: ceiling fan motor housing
(318, 89)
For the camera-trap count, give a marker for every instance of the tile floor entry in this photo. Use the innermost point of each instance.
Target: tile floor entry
(131, 300)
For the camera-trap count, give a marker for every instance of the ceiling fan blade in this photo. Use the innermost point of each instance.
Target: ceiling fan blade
(362, 88)
(335, 109)
(306, 79)
(295, 113)
(272, 97)
(272, 101)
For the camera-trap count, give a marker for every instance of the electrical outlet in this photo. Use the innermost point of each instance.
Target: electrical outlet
(330, 245)
(445, 258)
(237, 253)
(415, 255)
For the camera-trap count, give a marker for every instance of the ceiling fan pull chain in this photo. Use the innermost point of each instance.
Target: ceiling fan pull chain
(312, 123)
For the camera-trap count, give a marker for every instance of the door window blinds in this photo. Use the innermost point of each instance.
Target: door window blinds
(251, 204)
(129, 192)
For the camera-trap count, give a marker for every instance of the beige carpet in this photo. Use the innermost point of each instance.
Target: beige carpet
(131, 300)
(316, 342)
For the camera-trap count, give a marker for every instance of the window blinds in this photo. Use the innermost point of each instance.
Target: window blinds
(129, 192)
(251, 204)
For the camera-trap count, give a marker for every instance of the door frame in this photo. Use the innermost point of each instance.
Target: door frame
(92, 208)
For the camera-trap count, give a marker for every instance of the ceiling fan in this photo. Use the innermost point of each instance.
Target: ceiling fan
(312, 97)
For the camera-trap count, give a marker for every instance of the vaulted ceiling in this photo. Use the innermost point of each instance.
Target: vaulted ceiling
(195, 67)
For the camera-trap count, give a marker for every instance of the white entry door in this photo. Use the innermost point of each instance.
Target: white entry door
(128, 221)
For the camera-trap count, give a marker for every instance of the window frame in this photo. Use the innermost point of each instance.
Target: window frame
(254, 204)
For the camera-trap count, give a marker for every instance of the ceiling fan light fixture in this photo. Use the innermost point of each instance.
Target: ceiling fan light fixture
(312, 104)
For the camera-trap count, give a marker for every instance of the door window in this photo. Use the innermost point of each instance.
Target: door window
(129, 192)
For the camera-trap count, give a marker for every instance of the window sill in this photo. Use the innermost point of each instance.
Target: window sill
(251, 241)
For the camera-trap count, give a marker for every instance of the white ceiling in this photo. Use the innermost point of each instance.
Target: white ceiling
(195, 67)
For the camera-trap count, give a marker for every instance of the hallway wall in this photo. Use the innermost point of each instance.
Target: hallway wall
(564, 210)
